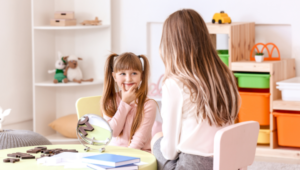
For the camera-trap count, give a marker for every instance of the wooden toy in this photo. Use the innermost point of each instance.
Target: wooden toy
(64, 15)
(88, 126)
(21, 155)
(11, 160)
(57, 151)
(270, 53)
(221, 18)
(92, 22)
(63, 22)
(37, 150)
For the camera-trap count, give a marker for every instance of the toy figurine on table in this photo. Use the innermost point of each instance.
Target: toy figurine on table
(221, 18)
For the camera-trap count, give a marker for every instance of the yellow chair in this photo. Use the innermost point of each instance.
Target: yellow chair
(88, 105)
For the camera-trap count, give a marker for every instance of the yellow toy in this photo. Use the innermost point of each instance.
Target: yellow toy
(221, 18)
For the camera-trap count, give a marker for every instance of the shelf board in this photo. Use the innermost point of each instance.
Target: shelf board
(77, 27)
(280, 152)
(51, 84)
(59, 139)
(286, 105)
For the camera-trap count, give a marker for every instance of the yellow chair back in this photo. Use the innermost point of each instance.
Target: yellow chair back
(88, 105)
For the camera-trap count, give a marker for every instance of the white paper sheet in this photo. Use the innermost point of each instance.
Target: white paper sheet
(70, 160)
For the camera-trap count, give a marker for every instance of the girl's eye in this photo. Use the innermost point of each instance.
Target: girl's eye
(134, 73)
(122, 74)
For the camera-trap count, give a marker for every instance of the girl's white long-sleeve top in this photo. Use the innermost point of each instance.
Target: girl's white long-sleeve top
(182, 131)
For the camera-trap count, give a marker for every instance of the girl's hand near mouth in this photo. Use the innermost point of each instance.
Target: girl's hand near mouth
(129, 95)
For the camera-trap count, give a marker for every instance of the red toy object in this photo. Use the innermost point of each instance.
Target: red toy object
(265, 46)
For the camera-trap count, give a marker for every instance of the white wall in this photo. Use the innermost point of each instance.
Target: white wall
(15, 62)
(129, 33)
(276, 21)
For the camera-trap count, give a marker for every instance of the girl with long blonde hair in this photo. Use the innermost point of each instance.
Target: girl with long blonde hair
(124, 103)
(199, 94)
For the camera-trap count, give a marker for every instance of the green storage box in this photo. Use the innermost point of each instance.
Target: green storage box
(222, 51)
(223, 54)
(252, 80)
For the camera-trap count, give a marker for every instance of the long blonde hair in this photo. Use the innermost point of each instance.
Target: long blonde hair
(125, 61)
(189, 56)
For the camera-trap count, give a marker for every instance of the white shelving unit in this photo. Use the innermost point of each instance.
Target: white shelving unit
(91, 43)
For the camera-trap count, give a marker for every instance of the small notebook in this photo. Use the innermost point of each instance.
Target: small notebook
(103, 167)
(110, 160)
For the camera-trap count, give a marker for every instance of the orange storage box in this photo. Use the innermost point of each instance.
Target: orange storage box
(255, 106)
(288, 128)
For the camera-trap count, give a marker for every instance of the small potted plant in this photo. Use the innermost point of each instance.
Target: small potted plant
(259, 57)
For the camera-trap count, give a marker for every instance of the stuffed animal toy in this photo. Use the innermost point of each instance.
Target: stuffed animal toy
(2, 115)
(60, 65)
(73, 72)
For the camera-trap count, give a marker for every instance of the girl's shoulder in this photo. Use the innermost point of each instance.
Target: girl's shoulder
(173, 83)
(150, 103)
(150, 107)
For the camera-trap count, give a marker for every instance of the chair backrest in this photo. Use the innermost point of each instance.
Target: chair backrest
(235, 146)
(88, 105)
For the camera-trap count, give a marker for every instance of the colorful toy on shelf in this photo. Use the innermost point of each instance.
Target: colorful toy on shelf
(60, 65)
(2, 115)
(270, 53)
(221, 18)
(73, 72)
(92, 22)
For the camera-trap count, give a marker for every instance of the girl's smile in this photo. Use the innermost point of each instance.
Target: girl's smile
(127, 78)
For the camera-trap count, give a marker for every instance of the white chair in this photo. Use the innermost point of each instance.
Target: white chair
(235, 146)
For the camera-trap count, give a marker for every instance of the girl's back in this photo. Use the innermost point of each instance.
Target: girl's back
(199, 95)
(195, 135)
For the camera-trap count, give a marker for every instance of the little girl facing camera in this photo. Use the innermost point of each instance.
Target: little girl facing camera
(124, 102)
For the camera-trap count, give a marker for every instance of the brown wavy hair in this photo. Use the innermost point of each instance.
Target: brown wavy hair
(190, 57)
(125, 61)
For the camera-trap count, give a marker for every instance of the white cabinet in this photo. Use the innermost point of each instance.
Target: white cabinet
(91, 43)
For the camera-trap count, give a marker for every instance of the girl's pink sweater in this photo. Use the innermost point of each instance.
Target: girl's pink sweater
(123, 120)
